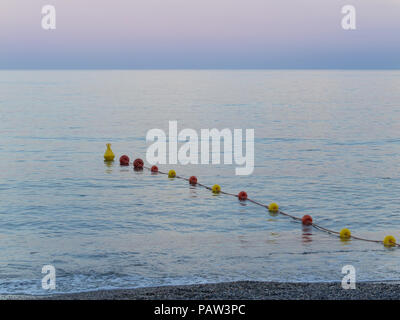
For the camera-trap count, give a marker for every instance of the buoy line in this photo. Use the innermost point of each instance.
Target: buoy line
(344, 234)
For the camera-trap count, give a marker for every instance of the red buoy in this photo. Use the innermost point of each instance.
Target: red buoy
(138, 164)
(154, 169)
(307, 220)
(193, 180)
(242, 196)
(124, 160)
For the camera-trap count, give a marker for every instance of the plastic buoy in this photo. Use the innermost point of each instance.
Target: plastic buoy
(138, 164)
(216, 188)
(242, 195)
(124, 160)
(109, 155)
(193, 180)
(389, 241)
(307, 220)
(273, 207)
(345, 234)
(171, 174)
(154, 169)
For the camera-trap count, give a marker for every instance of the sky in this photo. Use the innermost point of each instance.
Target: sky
(200, 34)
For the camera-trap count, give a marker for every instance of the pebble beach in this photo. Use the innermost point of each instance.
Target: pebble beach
(242, 290)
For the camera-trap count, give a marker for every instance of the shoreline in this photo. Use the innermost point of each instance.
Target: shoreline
(240, 290)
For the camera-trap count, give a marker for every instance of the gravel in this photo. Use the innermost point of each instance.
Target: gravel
(247, 290)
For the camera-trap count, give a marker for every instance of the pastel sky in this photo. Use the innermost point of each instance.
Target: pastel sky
(200, 34)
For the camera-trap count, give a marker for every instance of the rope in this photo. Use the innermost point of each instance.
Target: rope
(316, 226)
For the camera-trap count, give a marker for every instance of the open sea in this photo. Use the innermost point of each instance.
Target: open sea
(327, 144)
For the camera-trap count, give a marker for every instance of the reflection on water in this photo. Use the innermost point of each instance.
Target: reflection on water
(109, 165)
(326, 144)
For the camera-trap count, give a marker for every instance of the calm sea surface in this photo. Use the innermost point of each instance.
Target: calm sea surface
(327, 143)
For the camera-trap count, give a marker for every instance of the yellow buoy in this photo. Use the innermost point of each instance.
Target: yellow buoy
(273, 207)
(389, 241)
(216, 188)
(109, 155)
(345, 234)
(171, 174)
